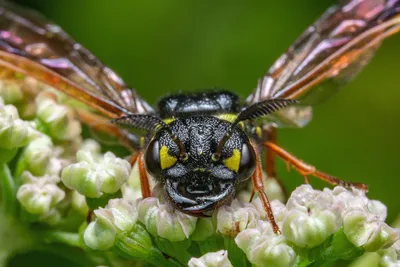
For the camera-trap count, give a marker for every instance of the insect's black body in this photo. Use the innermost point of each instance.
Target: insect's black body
(199, 103)
(199, 183)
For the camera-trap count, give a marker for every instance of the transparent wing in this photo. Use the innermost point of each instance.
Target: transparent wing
(31, 45)
(328, 55)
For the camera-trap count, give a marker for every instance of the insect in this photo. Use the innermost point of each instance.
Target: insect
(203, 146)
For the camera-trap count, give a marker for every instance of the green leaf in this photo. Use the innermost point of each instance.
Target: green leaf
(235, 254)
(177, 250)
(336, 247)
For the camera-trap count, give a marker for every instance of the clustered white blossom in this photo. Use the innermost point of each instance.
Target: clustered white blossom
(39, 195)
(211, 259)
(57, 173)
(118, 216)
(14, 132)
(58, 120)
(95, 174)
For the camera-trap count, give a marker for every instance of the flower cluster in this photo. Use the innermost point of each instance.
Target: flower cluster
(95, 175)
(58, 187)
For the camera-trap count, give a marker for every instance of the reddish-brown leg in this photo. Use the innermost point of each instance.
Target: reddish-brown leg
(133, 159)
(258, 186)
(144, 178)
(306, 169)
(270, 162)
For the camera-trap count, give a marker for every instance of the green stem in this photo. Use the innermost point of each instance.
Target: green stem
(8, 189)
(51, 236)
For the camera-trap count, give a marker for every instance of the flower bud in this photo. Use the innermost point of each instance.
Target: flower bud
(162, 220)
(14, 132)
(390, 258)
(264, 248)
(10, 91)
(211, 259)
(90, 145)
(79, 203)
(98, 236)
(94, 175)
(236, 217)
(118, 216)
(367, 230)
(137, 243)
(38, 195)
(52, 218)
(118, 213)
(41, 157)
(363, 219)
(57, 120)
(310, 229)
(311, 217)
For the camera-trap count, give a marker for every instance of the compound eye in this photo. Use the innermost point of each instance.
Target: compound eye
(247, 163)
(152, 158)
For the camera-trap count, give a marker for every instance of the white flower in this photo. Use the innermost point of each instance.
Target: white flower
(14, 132)
(236, 217)
(57, 120)
(42, 157)
(119, 213)
(162, 220)
(311, 217)
(94, 175)
(265, 248)
(367, 230)
(390, 258)
(364, 220)
(118, 216)
(211, 259)
(10, 91)
(78, 202)
(38, 195)
(98, 236)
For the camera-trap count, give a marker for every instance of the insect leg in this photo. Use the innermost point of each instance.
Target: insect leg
(258, 186)
(307, 169)
(144, 178)
(270, 156)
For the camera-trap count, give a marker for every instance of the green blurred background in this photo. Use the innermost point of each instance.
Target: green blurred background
(161, 47)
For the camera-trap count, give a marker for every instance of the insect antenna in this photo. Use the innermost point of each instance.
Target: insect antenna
(252, 112)
(149, 123)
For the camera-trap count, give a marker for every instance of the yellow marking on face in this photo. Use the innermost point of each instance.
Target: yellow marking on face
(227, 117)
(233, 161)
(259, 132)
(169, 120)
(166, 160)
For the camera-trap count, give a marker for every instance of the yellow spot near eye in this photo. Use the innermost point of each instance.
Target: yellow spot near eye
(259, 132)
(227, 117)
(169, 120)
(166, 160)
(233, 161)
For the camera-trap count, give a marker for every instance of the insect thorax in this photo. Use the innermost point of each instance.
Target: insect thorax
(199, 104)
